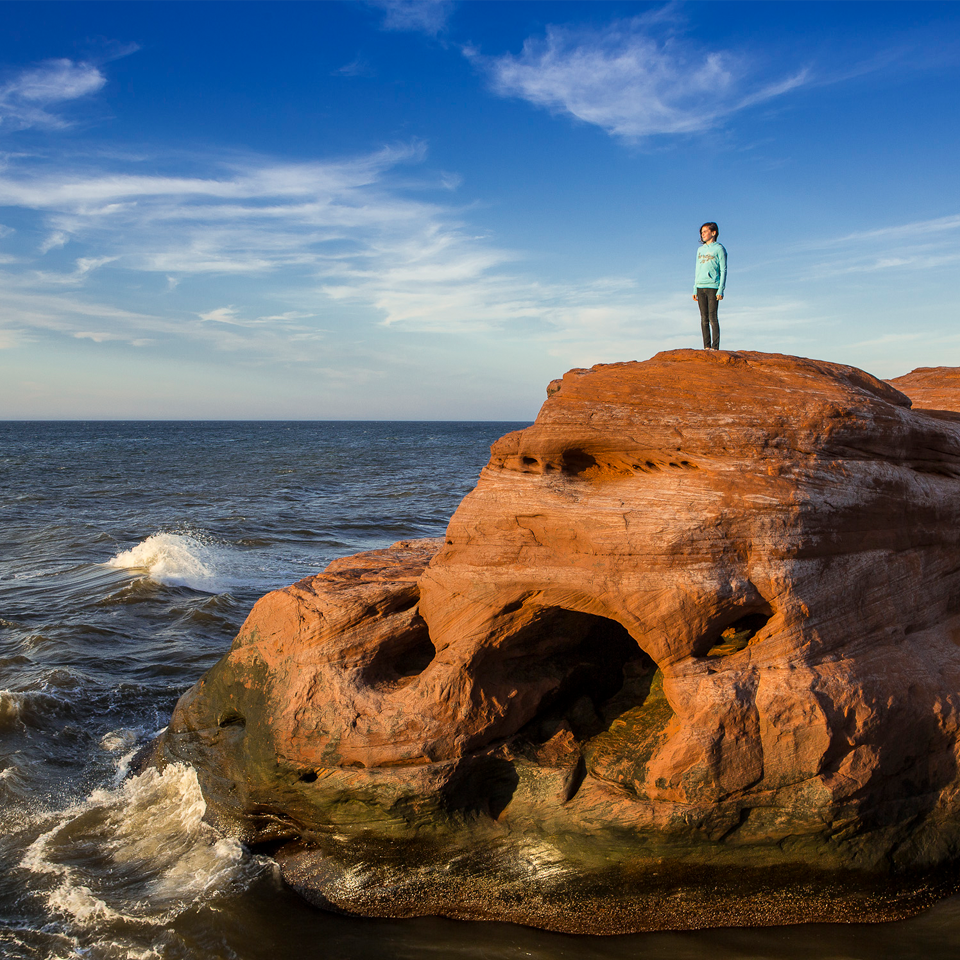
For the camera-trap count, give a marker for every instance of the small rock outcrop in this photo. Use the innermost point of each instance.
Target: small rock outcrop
(931, 388)
(687, 656)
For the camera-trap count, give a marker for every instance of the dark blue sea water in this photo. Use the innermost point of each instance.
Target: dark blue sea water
(129, 555)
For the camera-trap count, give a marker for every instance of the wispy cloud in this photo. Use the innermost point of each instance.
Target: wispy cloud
(355, 68)
(918, 245)
(318, 242)
(424, 16)
(54, 241)
(86, 264)
(31, 311)
(629, 82)
(904, 231)
(252, 216)
(98, 336)
(30, 99)
(220, 315)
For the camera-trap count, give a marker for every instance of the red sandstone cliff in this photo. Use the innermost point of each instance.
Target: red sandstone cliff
(691, 641)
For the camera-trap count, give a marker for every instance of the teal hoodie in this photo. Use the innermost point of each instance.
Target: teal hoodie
(711, 267)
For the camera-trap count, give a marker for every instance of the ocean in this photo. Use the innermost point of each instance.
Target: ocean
(130, 554)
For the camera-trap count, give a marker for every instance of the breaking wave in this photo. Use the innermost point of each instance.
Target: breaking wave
(199, 562)
(139, 853)
(177, 559)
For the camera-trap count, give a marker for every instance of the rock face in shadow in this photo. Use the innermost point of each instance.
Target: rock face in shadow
(931, 388)
(687, 656)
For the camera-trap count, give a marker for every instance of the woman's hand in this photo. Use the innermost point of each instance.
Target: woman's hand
(719, 298)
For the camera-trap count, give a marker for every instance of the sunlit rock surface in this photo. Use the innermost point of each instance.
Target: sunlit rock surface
(687, 656)
(931, 388)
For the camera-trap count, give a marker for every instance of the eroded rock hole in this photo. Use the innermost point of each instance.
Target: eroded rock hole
(415, 659)
(402, 657)
(600, 666)
(737, 635)
(577, 462)
(231, 718)
(403, 603)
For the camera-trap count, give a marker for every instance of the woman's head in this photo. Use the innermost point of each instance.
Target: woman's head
(708, 232)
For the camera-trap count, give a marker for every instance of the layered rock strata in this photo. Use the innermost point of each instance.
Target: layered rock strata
(687, 656)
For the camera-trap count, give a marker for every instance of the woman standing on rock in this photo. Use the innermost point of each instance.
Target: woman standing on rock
(708, 284)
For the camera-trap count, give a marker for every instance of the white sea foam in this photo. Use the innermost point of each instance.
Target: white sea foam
(177, 559)
(126, 741)
(140, 852)
(81, 904)
(118, 740)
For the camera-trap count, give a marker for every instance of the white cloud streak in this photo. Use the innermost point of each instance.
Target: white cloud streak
(890, 250)
(54, 241)
(350, 238)
(31, 314)
(29, 98)
(905, 231)
(629, 83)
(220, 315)
(86, 264)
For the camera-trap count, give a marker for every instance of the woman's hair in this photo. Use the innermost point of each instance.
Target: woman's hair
(713, 227)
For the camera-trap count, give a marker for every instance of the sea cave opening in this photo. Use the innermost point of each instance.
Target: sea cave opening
(600, 671)
(586, 673)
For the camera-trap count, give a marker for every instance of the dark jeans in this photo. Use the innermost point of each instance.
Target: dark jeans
(707, 301)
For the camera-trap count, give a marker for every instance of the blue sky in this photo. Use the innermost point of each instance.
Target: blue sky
(428, 210)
